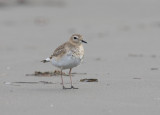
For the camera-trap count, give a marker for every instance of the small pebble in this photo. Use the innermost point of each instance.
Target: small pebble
(51, 105)
(7, 83)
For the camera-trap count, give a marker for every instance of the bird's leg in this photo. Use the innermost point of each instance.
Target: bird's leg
(70, 76)
(62, 80)
(71, 79)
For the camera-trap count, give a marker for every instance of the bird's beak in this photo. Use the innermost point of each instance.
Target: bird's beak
(84, 41)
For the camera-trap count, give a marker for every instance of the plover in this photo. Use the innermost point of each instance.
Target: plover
(68, 55)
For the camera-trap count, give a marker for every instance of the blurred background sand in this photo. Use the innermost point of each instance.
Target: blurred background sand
(122, 53)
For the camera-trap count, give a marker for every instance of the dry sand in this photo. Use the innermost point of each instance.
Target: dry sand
(123, 53)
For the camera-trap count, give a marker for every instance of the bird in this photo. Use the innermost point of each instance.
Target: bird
(67, 56)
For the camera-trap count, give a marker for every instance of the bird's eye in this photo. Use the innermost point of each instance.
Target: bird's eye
(75, 37)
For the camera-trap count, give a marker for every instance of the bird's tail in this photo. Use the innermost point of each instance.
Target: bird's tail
(46, 60)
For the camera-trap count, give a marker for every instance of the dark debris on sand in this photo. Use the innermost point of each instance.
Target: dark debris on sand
(47, 74)
(89, 80)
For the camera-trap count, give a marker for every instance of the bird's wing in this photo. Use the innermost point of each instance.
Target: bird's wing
(59, 51)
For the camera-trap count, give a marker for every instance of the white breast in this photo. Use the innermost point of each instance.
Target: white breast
(67, 61)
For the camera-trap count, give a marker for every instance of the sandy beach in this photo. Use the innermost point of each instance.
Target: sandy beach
(123, 53)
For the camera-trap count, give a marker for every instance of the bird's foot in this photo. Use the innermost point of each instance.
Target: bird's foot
(70, 87)
(66, 87)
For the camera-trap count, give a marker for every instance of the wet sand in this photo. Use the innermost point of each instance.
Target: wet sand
(122, 53)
